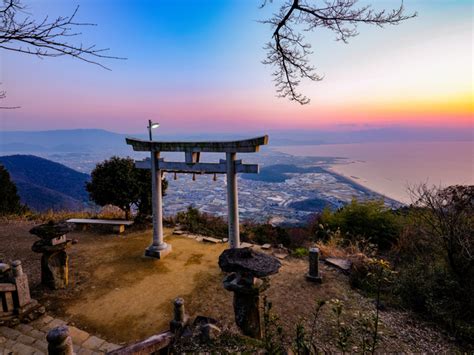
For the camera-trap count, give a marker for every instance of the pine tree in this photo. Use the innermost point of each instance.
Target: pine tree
(9, 199)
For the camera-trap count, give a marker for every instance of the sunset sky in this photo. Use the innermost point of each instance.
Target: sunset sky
(195, 66)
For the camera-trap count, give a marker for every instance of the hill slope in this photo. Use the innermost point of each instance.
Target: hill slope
(43, 184)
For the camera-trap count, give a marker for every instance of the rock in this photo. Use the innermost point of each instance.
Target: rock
(59, 341)
(4, 268)
(266, 246)
(280, 255)
(248, 261)
(211, 240)
(201, 320)
(343, 264)
(207, 328)
(208, 332)
(246, 245)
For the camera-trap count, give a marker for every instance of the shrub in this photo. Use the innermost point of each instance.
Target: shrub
(300, 252)
(434, 257)
(195, 221)
(265, 233)
(370, 220)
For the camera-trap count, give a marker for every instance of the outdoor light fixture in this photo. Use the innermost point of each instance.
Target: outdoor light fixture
(152, 125)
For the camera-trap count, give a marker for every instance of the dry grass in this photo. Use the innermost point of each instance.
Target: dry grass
(106, 212)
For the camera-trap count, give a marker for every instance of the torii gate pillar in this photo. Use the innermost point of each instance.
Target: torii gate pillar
(232, 201)
(158, 249)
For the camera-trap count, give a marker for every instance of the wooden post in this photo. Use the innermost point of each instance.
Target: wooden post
(232, 201)
(158, 249)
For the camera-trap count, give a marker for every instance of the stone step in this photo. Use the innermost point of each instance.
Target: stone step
(30, 339)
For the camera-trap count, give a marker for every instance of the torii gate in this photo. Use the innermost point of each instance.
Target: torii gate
(192, 150)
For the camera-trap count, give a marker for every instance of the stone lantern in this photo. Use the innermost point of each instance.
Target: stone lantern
(53, 244)
(15, 300)
(247, 267)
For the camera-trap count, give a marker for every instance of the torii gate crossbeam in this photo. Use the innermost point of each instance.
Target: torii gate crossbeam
(230, 166)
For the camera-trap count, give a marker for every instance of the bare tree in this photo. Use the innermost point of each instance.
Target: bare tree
(447, 215)
(288, 51)
(19, 32)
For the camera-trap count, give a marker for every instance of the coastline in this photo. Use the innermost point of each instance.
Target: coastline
(390, 168)
(352, 181)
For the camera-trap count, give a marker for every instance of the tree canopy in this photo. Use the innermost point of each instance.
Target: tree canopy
(118, 182)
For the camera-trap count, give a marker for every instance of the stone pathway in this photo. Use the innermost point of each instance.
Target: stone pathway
(29, 339)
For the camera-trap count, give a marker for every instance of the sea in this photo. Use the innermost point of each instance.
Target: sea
(392, 168)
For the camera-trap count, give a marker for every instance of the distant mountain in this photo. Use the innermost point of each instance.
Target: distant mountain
(43, 184)
(74, 140)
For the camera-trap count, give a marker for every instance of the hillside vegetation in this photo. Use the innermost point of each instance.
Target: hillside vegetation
(43, 184)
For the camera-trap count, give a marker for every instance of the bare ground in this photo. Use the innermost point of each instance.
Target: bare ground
(122, 296)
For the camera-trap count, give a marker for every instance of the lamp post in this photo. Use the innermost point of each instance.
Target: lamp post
(158, 249)
(152, 125)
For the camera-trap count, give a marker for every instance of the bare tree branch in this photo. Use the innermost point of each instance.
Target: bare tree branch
(3, 94)
(288, 51)
(46, 38)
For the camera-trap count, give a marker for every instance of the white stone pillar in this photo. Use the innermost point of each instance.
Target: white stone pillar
(232, 201)
(158, 248)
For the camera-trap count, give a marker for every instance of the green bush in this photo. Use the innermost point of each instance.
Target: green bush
(300, 252)
(368, 220)
(195, 221)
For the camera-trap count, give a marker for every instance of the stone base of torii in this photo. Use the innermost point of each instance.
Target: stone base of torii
(230, 166)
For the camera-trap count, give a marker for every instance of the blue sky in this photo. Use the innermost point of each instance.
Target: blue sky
(196, 65)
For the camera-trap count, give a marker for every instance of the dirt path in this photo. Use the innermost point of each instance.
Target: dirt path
(130, 297)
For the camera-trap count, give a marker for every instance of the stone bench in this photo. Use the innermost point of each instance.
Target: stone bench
(117, 225)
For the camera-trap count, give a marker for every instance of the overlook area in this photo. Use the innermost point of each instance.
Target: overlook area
(117, 294)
